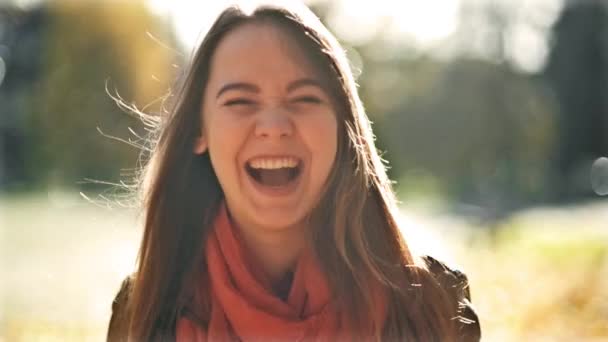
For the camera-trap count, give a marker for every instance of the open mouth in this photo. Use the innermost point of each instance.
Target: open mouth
(274, 172)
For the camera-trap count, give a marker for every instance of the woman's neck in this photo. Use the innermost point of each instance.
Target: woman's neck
(276, 251)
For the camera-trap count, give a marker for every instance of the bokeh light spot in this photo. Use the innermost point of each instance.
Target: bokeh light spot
(599, 176)
(2, 70)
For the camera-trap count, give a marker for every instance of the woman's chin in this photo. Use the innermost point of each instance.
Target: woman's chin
(278, 219)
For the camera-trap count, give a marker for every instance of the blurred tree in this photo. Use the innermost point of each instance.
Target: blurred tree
(482, 130)
(20, 68)
(473, 128)
(578, 73)
(85, 45)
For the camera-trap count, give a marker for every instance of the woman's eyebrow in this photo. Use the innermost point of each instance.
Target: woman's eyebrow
(304, 82)
(238, 86)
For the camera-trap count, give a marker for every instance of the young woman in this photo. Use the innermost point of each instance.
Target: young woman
(268, 212)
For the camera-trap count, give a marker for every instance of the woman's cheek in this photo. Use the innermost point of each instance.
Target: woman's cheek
(223, 143)
(227, 129)
(321, 136)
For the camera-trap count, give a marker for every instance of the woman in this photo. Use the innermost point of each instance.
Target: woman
(268, 212)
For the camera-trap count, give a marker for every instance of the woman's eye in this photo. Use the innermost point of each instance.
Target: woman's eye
(307, 99)
(237, 102)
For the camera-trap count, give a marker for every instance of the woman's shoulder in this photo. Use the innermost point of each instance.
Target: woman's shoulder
(456, 285)
(119, 325)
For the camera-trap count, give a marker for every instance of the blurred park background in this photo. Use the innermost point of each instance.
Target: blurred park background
(493, 115)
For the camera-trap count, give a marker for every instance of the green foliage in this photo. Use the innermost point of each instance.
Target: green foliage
(84, 50)
(483, 131)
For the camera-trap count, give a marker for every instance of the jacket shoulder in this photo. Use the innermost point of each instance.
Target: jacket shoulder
(119, 321)
(456, 284)
(450, 278)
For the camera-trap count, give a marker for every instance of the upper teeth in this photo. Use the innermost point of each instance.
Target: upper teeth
(273, 163)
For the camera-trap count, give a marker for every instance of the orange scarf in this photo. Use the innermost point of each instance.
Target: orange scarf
(244, 308)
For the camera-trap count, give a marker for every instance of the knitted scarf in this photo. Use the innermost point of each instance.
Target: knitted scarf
(244, 307)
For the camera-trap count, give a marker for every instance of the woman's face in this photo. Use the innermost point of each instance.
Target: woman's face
(269, 126)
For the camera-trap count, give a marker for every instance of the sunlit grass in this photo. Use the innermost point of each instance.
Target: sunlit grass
(62, 260)
(543, 276)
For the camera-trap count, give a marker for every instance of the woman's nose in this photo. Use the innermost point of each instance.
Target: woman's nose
(274, 124)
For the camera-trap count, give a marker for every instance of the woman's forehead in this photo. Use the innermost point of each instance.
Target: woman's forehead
(259, 51)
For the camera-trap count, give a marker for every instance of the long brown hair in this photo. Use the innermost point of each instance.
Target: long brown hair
(356, 234)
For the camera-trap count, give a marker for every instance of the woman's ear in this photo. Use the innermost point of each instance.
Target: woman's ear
(200, 145)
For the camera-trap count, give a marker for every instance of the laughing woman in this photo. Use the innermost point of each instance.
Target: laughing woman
(268, 212)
